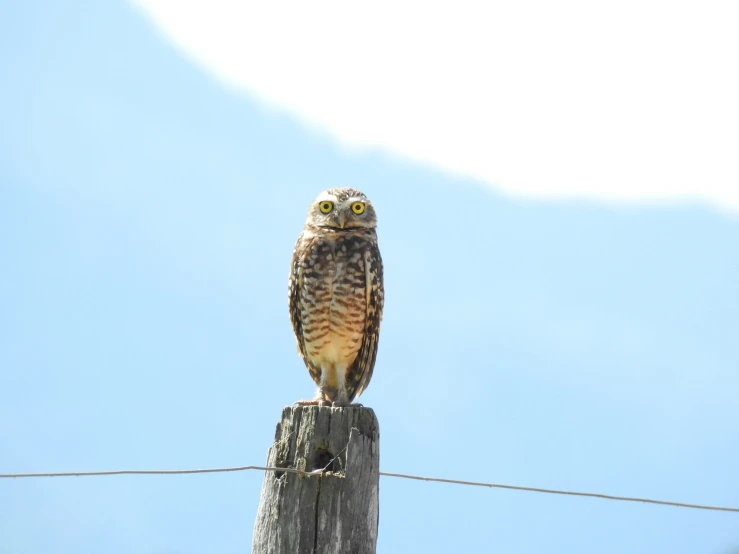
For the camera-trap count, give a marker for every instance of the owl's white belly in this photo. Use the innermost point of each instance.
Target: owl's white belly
(337, 351)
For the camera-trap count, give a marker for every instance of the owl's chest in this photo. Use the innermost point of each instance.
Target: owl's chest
(333, 288)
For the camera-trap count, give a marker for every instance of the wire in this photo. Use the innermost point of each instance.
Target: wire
(158, 472)
(325, 471)
(569, 493)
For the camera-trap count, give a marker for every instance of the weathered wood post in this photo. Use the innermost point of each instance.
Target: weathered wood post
(336, 512)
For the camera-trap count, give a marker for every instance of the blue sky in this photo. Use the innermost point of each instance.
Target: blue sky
(147, 220)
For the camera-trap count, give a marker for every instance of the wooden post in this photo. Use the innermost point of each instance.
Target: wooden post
(336, 512)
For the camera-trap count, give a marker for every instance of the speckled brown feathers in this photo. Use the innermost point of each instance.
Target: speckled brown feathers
(336, 294)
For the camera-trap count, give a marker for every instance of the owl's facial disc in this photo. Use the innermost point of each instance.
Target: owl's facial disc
(342, 209)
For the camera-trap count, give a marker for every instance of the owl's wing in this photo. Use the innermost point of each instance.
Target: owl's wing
(360, 372)
(302, 247)
(296, 282)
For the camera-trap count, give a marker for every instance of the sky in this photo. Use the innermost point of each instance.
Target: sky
(148, 211)
(631, 101)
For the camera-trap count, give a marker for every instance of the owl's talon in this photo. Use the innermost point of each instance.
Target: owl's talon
(346, 405)
(316, 402)
(307, 403)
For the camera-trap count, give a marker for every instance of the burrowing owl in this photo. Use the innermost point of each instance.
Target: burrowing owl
(336, 294)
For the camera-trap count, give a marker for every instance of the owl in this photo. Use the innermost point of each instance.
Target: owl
(336, 295)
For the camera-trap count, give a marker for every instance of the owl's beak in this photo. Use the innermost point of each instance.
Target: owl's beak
(341, 219)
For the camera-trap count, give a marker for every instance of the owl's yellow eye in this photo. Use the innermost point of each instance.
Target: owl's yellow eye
(358, 208)
(326, 206)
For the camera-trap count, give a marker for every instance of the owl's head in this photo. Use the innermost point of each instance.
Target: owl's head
(342, 209)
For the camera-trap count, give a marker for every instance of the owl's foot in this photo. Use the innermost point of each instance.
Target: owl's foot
(338, 404)
(323, 403)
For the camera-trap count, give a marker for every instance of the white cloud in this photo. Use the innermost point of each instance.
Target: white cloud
(629, 100)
